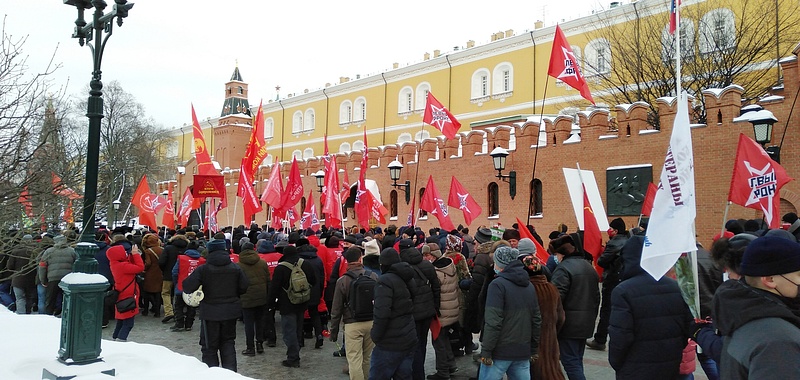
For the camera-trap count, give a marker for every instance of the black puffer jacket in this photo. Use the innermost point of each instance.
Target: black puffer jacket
(425, 289)
(393, 327)
(611, 262)
(482, 266)
(223, 283)
(649, 324)
(309, 254)
(176, 246)
(577, 282)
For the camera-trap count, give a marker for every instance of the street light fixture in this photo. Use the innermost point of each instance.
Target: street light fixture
(394, 173)
(499, 156)
(115, 205)
(762, 121)
(319, 176)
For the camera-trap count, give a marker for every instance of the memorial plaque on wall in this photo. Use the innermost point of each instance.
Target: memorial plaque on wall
(626, 188)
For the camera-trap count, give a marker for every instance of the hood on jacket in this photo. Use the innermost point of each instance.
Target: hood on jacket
(515, 273)
(249, 257)
(193, 253)
(632, 256)
(313, 240)
(443, 262)
(411, 255)
(117, 252)
(150, 240)
(60, 241)
(218, 258)
(179, 241)
(402, 269)
(736, 304)
(307, 251)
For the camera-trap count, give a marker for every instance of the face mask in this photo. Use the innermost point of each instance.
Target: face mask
(794, 302)
(555, 259)
(497, 271)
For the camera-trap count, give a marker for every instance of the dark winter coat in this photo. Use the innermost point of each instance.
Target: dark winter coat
(611, 262)
(341, 296)
(257, 273)
(761, 334)
(425, 287)
(176, 245)
(223, 283)
(548, 366)
(22, 263)
(56, 262)
(388, 241)
(482, 267)
(709, 277)
(103, 266)
(512, 321)
(309, 255)
(393, 326)
(577, 282)
(124, 267)
(649, 324)
(151, 251)
(277, 298)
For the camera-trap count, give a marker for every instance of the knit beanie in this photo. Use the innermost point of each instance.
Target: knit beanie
(618, 224)
(453, 243)
(388, 258)
(216, 245)
(247, 246)
(770, 255)
(483, 235)
(526, 247)
(266, 246)
(505, 255)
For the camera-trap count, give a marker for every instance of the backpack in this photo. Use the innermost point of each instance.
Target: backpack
(299, 290)
(362, 296)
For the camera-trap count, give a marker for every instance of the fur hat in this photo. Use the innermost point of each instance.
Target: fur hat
(483, 235)
(770, 255)
(505, 255)
(510, 234)
(526, 247)
(564, 245)
(618, 224)
(216, 245)
(372, 247)
(432, 249)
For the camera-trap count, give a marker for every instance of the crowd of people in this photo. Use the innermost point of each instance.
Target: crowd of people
(389, 291)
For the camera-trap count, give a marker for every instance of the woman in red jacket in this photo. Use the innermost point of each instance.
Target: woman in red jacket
(126, 262)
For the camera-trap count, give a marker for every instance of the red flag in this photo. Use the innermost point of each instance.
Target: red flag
(294, 187)
(673, 15)
(277, 218)
(144, 202)
(461, 199)
(436, 327)
(440, 117)
(592, 240)
(204, 165)
(363, 202)
(333, 202)
(168, 219)
(435, 205)
(212, 214)
(310, 217)
(564, 66)
(25, 200)
(344, 192)
(68, 213)
(273, 193)
(757, 180)
(647, 204)
(541, 253)
(292, 215)
(412, 211)
(378, 210)
(60, 189)
(185, 208)
(247, 192)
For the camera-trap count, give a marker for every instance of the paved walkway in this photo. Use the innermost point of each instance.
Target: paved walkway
(315, 363)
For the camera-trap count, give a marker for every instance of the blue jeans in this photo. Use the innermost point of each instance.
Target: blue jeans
(123, 328)
(41, 292)
(25, 299)
(515, 369)
(709, 366)
(291, 326)
(5, 293)
(385, 364)
(572, 357)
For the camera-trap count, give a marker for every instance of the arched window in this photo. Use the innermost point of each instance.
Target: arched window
(536, 197)
(297, 122)
(503, 78)
(308, 153)
(422, 213)
(597, 57)
(393, 203)
(403, 138)
(480, 84)
(310, 122)
(268, 160)
(493, 196)
(240, 90)
(345, 112)
(421, 135)
(358, 145)
(269, 128)
(405, 100)
(422, 95)
(344, 148)
(298, 155)
(687, 41)
(717, 31)
(360, 109)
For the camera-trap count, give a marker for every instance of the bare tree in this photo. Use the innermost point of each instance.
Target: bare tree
(723, 42)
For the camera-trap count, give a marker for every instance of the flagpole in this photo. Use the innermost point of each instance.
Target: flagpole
(235, 206)
(536, 151)
(724, 218)
(678, 49)
(416, 172)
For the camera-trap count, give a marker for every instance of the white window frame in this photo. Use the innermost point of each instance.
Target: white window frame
(309, 121)
(345, 112)
(269, 128)
(709, 35)
(297, 122)
(405, 100)
(422, 95)
(595, 64)
(344, 147)
(503, 78)
(308, 153)
(360, 109)
(480, 84)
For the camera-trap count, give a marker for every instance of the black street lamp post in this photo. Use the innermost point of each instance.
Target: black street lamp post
(499, 161)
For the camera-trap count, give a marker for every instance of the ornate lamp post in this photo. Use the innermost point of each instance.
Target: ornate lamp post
(762, 121)
(115, 205)
(499, 160)
(319, 176)
(394, 174)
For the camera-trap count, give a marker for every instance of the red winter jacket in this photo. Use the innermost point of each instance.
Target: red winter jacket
(124, 268)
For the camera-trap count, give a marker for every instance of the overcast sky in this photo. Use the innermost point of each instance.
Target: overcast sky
(170, 53)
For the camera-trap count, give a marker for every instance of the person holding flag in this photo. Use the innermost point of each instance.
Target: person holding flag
(611, 262)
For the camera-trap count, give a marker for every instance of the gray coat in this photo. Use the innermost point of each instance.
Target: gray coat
(56, 261)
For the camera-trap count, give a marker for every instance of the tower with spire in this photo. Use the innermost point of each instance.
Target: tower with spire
(232, 132)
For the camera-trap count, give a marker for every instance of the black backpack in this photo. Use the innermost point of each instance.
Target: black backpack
(362, 296)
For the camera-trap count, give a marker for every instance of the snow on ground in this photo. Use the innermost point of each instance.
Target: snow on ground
(29, 343)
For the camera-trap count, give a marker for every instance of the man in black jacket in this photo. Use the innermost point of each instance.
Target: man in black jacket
(393, 327)
(291, 314)
(425, 293)
(576, 282)
(176, 246)
(223, 282)
(308, 253)
(611, 262)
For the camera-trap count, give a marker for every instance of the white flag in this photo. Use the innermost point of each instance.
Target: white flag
(670, 231)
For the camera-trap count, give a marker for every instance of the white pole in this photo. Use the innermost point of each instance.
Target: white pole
(235, 206)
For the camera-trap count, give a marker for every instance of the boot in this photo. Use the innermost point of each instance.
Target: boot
(318, 343)
(179, 326)
(249, 352)
(260, 347)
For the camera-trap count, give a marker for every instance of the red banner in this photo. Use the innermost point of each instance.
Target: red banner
(208, 186)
